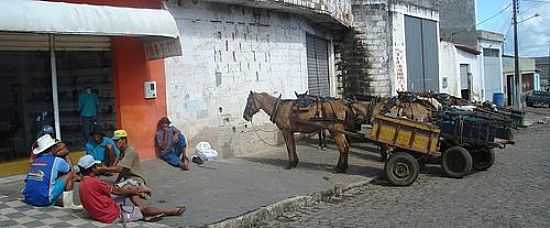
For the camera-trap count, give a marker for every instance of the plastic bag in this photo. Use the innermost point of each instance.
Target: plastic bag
(204, 151)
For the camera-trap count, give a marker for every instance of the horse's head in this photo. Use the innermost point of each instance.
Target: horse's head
(251, 107)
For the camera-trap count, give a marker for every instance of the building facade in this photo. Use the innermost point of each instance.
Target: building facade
(491, 47)
(529, 77)
(543, 66)
(233, 47)
(52, 50)
(402, 39)
(461, 72)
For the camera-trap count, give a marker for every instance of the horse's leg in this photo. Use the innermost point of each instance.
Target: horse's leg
(343, 147)
(322, 139)
(290, 148)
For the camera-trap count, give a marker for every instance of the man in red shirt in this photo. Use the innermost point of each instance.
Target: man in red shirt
(107, 203)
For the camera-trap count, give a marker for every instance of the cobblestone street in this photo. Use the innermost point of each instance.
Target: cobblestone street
(512, 193)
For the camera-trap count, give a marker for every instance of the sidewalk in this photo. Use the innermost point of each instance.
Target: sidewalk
(218, 189)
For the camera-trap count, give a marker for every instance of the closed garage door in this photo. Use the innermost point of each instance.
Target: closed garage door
(317, 66)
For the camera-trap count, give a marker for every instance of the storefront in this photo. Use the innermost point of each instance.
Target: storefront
(51, 50)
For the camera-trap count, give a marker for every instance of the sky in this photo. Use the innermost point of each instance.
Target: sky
(533, 33)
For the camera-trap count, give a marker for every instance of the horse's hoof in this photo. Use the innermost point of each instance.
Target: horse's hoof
(294, 164)
(288, 167)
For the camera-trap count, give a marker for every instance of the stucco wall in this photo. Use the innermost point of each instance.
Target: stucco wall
(450, 59)
(458, 21)
(492, 69)
(229, 50)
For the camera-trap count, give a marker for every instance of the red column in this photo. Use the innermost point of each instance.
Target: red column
(134, 113)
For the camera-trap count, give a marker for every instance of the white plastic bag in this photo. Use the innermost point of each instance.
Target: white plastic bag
(204, 151)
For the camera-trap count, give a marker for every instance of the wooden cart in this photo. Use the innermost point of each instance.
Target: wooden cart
(407, 142)
(466, 141)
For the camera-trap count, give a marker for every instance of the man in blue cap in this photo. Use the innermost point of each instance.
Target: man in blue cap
(107, 203)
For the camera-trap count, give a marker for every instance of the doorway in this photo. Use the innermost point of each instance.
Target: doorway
(465, 82)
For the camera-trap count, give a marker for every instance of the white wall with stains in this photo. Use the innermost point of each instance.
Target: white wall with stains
(229, 50)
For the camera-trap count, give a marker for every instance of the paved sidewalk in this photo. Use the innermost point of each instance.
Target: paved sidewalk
(218, 189)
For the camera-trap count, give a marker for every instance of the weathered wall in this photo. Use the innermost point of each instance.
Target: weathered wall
(458, 21)
(450, 60)
(229, 50)
(492, 69)
(334, 10)
(383, 25)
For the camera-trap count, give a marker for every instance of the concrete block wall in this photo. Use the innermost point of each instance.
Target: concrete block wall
(229, 50)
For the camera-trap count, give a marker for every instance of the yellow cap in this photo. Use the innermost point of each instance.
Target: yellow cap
(118, 134)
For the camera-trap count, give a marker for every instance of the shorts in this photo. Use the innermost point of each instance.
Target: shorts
(57, 190)
(128, 211)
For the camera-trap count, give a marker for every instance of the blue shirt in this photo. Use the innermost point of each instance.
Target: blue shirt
(160, 137)
(88, 104)
(39, 182)
(98, 150)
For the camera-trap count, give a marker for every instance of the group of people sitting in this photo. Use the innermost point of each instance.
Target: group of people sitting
(51, 176)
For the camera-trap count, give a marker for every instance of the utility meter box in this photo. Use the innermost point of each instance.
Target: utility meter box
(150, 89)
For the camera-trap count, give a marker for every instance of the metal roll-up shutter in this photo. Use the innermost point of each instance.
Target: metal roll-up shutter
(317, 66)
(40, 42)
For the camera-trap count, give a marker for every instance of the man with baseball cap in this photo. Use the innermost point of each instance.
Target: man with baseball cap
(50, 175)
(129, 165)
(107, 203)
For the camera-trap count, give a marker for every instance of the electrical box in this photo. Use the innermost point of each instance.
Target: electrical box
(150, 89)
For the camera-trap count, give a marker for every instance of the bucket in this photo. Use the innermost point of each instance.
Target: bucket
(498, 99)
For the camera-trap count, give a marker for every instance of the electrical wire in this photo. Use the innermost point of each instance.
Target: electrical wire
(496, 14)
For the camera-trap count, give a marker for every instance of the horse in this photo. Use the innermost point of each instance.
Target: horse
(322, 134)
(286, 115)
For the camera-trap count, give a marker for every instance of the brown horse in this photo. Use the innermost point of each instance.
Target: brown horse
(289, 118)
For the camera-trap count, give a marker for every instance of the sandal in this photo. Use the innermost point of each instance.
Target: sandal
(180, 211)
(154, 218)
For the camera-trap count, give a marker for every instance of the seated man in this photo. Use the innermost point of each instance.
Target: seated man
(171, 144)
(129, 165)
(50, 175)
(107, 203)
(102, 148)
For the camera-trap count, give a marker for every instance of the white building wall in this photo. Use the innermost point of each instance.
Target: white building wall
(228, 51)
(450, 60)
(448, 70)
(492, 80)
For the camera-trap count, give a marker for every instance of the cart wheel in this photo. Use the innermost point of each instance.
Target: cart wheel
(483, 159)
(401, 169)
(456, 162)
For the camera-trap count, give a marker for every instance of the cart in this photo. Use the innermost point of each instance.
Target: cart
(465, 142)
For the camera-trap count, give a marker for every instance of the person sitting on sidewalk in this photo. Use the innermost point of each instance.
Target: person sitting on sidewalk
(129, 166)
(171, 144)
(50, 175)
(102, 148)
(107, 203)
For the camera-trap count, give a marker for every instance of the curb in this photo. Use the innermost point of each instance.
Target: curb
(256, 216)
